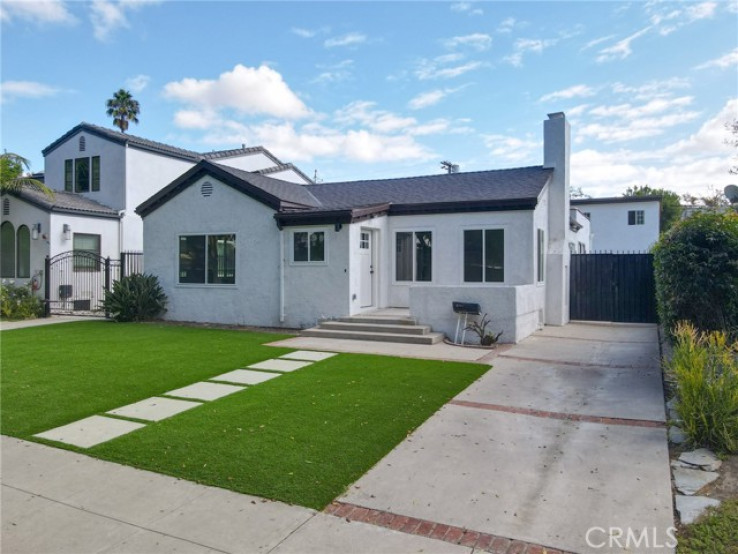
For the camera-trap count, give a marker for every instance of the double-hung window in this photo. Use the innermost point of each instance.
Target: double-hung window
(308, 246)
(635, 217)
(207, 259)
(414, 256)
(484, 256)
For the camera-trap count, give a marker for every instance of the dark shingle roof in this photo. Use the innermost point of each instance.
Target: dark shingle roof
(615, 200)
(217, 154)
(65, 202)
(523, 183)
(504, 189)
(284, 167)
(125, 138)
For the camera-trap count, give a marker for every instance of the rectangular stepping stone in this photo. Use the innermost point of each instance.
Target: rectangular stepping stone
(155, 409)
(279, 365)
(204, 391)
(245, 377)
(90, 431)
(308, 355)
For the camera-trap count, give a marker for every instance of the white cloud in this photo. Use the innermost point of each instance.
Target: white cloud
(137, 83)
(477, 41)
(703, 10)
(728, 60)
(690, 165)
(597, 41)
(304, 33)
(429, 69)
(349, 39)
(467, 8)
(668, 17)
(39, 11)
(525, 45)
(510, 149)
(10, 90)
(364, 112)
(425, 99)
(576, 91)
(108, 16)
(507, 25)
(335, 73)
(248, 90)
(652, 89)
(621, 49)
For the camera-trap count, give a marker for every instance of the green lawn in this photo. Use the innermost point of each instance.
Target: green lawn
(715, 533)
(301, 438)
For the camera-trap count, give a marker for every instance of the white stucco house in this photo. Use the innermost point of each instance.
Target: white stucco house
(237, 247)
(622, 224)
(100, 176)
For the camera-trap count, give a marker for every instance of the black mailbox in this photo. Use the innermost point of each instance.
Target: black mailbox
(467, 308)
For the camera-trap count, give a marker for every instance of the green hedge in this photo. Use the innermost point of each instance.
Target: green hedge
(696, 270)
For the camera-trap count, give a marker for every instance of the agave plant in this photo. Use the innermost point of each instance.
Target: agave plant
(480, 329)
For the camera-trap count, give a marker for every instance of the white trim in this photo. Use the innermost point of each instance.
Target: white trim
(326, 234)
(505, 260)
(417, 229)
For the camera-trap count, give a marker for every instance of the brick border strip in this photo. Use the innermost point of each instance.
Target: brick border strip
(561, 415)
(439, 531)
(575, 364)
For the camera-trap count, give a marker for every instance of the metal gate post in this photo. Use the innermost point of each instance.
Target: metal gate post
(122, 265)
(47, 286)
(107, 282)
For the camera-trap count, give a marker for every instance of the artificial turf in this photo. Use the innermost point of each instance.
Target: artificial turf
(301, 438)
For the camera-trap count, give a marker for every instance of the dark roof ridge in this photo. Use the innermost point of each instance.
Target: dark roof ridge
(282, 167)
(435, 175)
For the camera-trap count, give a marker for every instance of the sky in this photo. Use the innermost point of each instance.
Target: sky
(368, 90)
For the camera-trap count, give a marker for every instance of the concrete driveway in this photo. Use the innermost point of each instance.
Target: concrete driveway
(561, 445)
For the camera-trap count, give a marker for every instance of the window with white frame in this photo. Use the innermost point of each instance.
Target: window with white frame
(364, 241)
(207, 259)
(635, 217)
(308, 246)
(484, 256)
(414, 256)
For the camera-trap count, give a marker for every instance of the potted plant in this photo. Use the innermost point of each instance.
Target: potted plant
(480, 329)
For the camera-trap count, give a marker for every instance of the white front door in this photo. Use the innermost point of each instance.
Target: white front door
(366, 253)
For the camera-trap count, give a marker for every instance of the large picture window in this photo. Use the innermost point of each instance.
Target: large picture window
(86, 252)
(207, 259)
(484, 256)
(308, 246)
(414, 256)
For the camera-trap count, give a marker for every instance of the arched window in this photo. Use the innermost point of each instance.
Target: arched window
(23, 251)
(7, 246)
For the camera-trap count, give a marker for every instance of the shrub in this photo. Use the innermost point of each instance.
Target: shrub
(18, 302)
(706, 372)
(138, 297)
(696, 270)
(486, 338)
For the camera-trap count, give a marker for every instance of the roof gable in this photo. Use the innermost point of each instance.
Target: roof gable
(274, 193)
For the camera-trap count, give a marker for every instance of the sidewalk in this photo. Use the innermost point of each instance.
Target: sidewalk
(54, 319)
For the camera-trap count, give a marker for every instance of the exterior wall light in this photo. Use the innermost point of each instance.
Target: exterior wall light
(35, 230)
(67, 232)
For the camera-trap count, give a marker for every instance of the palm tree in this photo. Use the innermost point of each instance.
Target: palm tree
(123, 108)
(12, 178)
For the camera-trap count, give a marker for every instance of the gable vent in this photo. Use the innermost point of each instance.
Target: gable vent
(6, 206)
(82, 143)
(206, 189)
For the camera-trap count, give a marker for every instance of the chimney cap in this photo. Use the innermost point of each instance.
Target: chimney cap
(557, 115)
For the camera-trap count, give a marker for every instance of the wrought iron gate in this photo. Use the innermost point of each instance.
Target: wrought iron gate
(612, 287)
(76, 281)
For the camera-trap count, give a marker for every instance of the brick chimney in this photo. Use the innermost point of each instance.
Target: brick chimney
(556, 143)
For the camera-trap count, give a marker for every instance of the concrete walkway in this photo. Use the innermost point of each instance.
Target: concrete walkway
(564, 435)
(54, 319)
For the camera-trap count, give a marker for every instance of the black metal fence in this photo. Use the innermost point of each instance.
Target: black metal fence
(76, 281)
(612, 287)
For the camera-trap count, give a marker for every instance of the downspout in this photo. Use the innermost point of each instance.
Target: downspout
(281, 275)
(121, 216)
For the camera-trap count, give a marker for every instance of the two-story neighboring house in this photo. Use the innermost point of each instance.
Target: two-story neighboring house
(622, 224)
(100, 176)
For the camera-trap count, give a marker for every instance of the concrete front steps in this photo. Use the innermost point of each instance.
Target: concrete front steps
(375, 328)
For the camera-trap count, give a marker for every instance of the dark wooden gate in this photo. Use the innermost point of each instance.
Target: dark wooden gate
(612, 287)
(76, 281)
